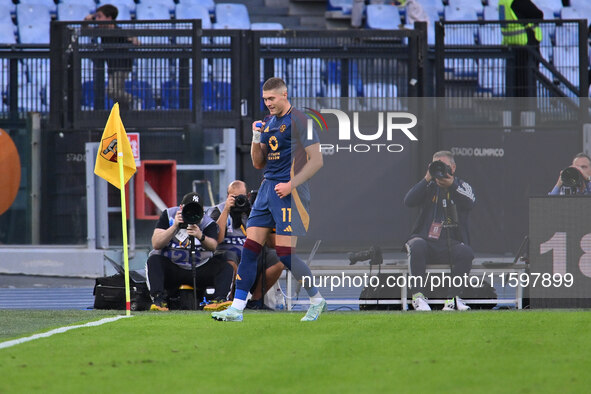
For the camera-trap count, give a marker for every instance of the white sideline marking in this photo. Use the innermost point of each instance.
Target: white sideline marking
(60, 330)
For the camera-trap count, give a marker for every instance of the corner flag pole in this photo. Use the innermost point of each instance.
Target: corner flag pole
(115, 151)
(124, 228)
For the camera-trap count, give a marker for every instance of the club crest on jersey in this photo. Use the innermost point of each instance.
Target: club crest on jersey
(282, 128)
(108, 149)
(273, 143)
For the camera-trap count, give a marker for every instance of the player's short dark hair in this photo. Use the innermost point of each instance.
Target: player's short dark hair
(582, 155)
(273, 84)
(109, 10)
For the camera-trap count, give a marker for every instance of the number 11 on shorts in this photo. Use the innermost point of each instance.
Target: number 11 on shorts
(286, 214)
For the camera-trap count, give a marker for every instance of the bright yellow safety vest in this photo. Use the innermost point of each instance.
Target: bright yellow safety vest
(515, 33)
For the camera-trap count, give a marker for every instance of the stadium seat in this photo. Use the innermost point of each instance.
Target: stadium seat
(89, 4)
(580, 4)
(169, 4)
(381, 96)
(466, 5)
(546, 46)
(459, 14)
(554, 5)
(269, 26)
(231, 16)
(33, 14)
(30, 98)
(576, 13)
(333, 80)
(130, 4)
(345, 6)
(48, 3)
(208, 4)
(432, 5)
(490, 13)
(72, 12)
(490, 35)
(491, 77)
(383, 17)
(191, 11)
(124, 14)
(33, 33)
(7, 6)
(150, 12)
(566, 61)
(567, 35)
(7, 33)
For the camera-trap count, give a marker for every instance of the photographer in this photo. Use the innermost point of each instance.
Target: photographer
(169, 264)
(440, 235)
(231, 217)
(574, 180)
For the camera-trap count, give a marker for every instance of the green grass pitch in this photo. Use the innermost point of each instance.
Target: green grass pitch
(362, 352)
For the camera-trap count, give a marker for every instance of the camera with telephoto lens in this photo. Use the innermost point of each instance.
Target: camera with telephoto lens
(241, 204)
(192, 213)
(439, 169)
(373, 254)
(572, 180)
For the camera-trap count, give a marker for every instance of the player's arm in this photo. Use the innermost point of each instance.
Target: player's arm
(313, 164)
(258, 151)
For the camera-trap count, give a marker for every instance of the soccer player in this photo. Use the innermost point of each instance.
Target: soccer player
(281, 147)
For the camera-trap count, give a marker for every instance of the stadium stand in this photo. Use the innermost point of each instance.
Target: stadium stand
(269, 26)
(490, 13)
(435, 5)
(380, 16)
(126, 8)
(5, 15)
(90, 4)
(7, 33)
(187, 10)
(576, 13)
(169, 4)
(7, 6)
(31, 33)
(130, 4)
(209, 5)
(554, 5)
(231, 16)
(343, 6)
(465, 5)
(72, 11)
(452, 13)
(48, 3)
(32, 14)
(155, 11)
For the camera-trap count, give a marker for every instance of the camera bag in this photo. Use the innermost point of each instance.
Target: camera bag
(109, 293)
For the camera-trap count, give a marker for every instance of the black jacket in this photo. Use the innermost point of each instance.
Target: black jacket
(424, 196)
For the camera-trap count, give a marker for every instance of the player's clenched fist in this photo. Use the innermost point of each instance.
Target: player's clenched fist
(257, 126)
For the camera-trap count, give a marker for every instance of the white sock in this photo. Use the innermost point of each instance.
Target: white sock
(317, 299)
(239, 304)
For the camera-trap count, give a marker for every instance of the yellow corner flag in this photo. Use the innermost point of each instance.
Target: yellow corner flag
(115, 164)
(114, 144)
